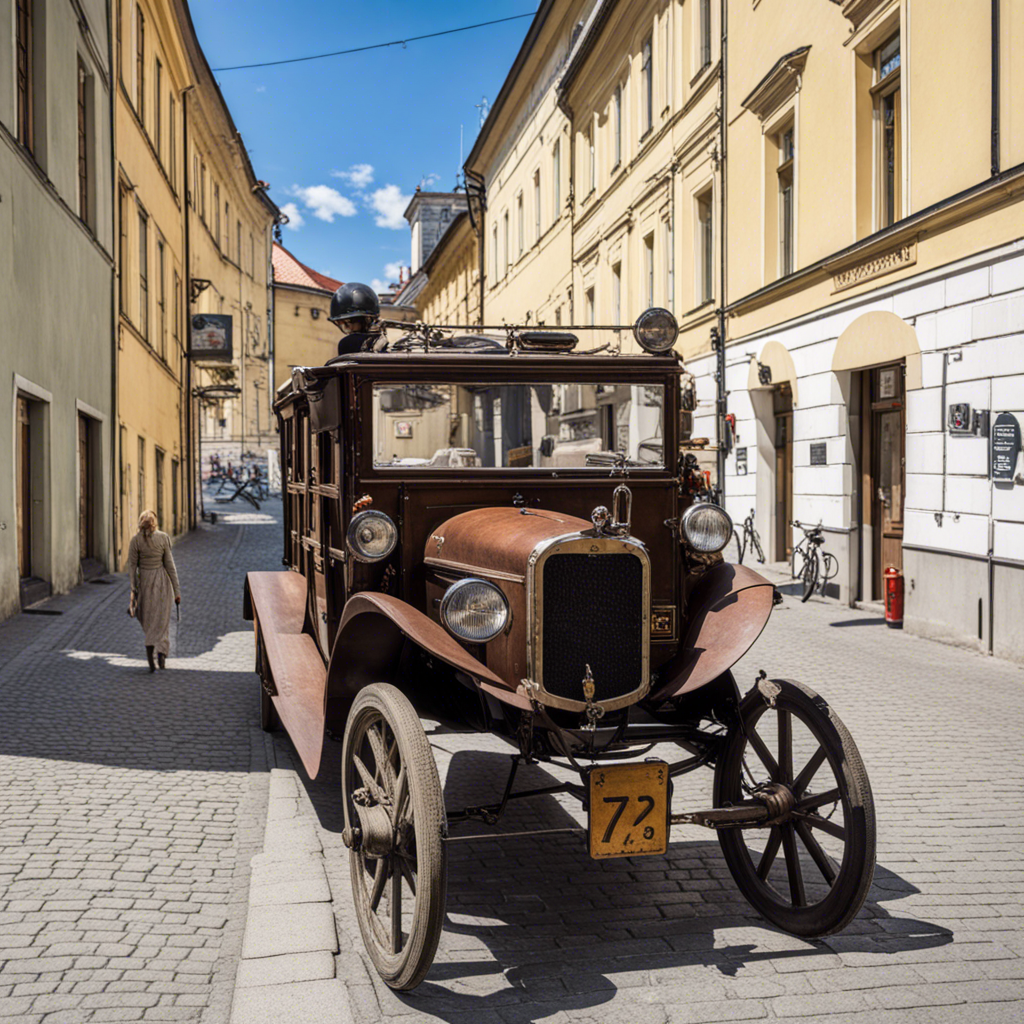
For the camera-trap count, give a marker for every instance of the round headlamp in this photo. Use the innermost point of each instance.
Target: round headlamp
(656, 330)
(371, 536)
(474, 610)
(707, 528)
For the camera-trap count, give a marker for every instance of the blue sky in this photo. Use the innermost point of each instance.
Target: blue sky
(346, 140)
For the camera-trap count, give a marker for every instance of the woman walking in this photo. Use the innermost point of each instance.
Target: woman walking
(154, 582)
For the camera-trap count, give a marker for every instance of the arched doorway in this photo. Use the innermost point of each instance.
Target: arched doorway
(878, 360)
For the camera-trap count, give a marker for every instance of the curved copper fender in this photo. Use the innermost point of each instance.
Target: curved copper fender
(726, 613)
(369, 644)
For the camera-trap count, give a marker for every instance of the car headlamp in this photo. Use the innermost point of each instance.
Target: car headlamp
(474, 610)
(706, 527)
(656, 330)
(371, 536)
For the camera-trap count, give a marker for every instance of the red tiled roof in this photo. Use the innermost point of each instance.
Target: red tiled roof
(288, 270)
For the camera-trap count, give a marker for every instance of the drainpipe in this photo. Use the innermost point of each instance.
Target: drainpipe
(995, 87)
(721, 404)
(114, 552)
(190, 491)
(480, 191)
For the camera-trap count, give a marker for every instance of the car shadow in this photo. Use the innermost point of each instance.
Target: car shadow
(534, 925)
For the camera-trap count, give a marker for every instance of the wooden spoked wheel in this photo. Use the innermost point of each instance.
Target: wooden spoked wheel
(395, 829)
(810, 870)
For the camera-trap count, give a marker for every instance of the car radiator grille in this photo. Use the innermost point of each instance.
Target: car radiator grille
(592, 615)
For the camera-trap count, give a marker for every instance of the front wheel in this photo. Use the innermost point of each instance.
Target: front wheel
(395, 825)
(809, 574)
(793, 744)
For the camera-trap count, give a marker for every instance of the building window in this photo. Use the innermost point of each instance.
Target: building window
(143, 324)
(175, 472)
(140, 64)
(556, 180)
(158, 106)
(161, 298)
(787, 158)
(83, 143)
(649, 270)
(122, 245)
(216, 214)
(590, 307)
(227, 230)
(176, 317)
(25, 62)
(536, 205)
(618, 125)
(238, 239)
(252, 255)
(648, 78)
(520, 223)
(142, 475)
(202, 192)
(705, 33)
(705, 248)
(506, 263)
(160, 489)
(172, 141)
(617, 293)
(591, 160)
(494, 248)
(887, 95)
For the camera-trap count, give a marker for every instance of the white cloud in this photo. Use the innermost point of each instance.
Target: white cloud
(430, 179)
(389, 204)
(358, 175)
(378, 285)
(295, 220)
(393, 270)
(261, 88)
(325, 202)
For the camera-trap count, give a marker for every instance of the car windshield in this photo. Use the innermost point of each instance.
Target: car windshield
(462, 426)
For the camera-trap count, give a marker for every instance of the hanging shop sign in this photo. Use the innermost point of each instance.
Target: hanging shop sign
(1005, 446)
(211, 337)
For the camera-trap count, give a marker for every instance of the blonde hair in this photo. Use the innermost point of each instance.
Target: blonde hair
(147, 523)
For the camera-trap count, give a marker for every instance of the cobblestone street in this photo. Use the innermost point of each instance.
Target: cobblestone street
(131, 802)
(133, 805)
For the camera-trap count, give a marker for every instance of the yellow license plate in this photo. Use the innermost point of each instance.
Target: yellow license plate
(629, 810)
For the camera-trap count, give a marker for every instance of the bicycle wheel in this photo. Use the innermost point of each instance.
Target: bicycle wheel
(809, 574)
(755, 542)
(739, 547)
(829, 571)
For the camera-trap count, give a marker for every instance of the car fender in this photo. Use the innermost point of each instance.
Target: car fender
(725, 614)
(368, 649)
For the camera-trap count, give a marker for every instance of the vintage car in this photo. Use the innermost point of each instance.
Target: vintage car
(506, 534)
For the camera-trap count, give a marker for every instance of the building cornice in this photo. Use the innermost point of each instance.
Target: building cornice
(780, 84)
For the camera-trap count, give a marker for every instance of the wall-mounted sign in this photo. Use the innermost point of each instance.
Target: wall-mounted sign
(403, 428)
(741, 461)
(819, 453)
(1005, 446)
(211, 337)
(887, 383)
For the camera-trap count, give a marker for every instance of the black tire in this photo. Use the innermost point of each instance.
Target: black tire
(809, 574)
(408, 788)
(757, 548)
(830, 569)
(739, 547)
(826, 888)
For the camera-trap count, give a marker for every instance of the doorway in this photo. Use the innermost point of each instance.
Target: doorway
(24, 485)
(782, 406)
(85, 490)
(886, 390)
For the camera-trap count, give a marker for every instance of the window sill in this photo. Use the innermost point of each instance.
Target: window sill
(700, 73)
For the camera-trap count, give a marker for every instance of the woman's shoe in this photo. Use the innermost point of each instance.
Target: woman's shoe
(149, 655)
(161, 660)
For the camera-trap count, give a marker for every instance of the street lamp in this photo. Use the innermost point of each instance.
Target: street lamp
(209, 393)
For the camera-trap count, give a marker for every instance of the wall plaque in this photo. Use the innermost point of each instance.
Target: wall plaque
(211, 337)
(819, 454)
(741, 461)
(1005, 446)
(902, 256)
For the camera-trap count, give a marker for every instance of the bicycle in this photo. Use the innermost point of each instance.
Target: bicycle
(750, 539)
(811, 568)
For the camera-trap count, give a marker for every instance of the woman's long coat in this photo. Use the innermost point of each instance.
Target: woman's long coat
(154, 582)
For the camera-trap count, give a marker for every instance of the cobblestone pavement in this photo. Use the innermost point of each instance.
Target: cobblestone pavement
(132, 803)
(537, 931)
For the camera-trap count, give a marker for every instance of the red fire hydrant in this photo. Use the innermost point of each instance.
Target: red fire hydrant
(893, 597)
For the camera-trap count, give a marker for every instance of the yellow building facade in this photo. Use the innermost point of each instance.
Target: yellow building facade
(152, 72)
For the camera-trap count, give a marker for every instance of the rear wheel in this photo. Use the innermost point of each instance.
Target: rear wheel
(826, 832)
(756, 543)
(398, 860)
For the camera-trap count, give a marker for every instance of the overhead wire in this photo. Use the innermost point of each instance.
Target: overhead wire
(376, 46)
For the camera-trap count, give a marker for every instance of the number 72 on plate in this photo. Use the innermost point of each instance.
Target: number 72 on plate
(629, 806)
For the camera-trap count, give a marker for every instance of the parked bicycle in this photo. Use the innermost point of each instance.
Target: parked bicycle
(750, 539)
(816, 566)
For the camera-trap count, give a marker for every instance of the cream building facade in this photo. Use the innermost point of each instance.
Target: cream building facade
(56, 293)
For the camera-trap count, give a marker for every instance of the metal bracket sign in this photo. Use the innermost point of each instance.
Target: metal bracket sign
(210, 337)
(1005, 446)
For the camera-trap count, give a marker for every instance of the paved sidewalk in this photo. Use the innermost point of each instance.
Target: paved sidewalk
(536, 931)
(132, 803)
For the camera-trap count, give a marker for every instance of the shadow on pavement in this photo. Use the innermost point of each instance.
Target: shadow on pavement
(534, 925)
(874, 621)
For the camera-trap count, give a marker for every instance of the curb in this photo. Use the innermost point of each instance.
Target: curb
(287, 968)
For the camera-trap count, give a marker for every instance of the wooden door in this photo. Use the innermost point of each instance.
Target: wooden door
(85, 502)
(888, 469)
(782, 400)
(24, 485)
